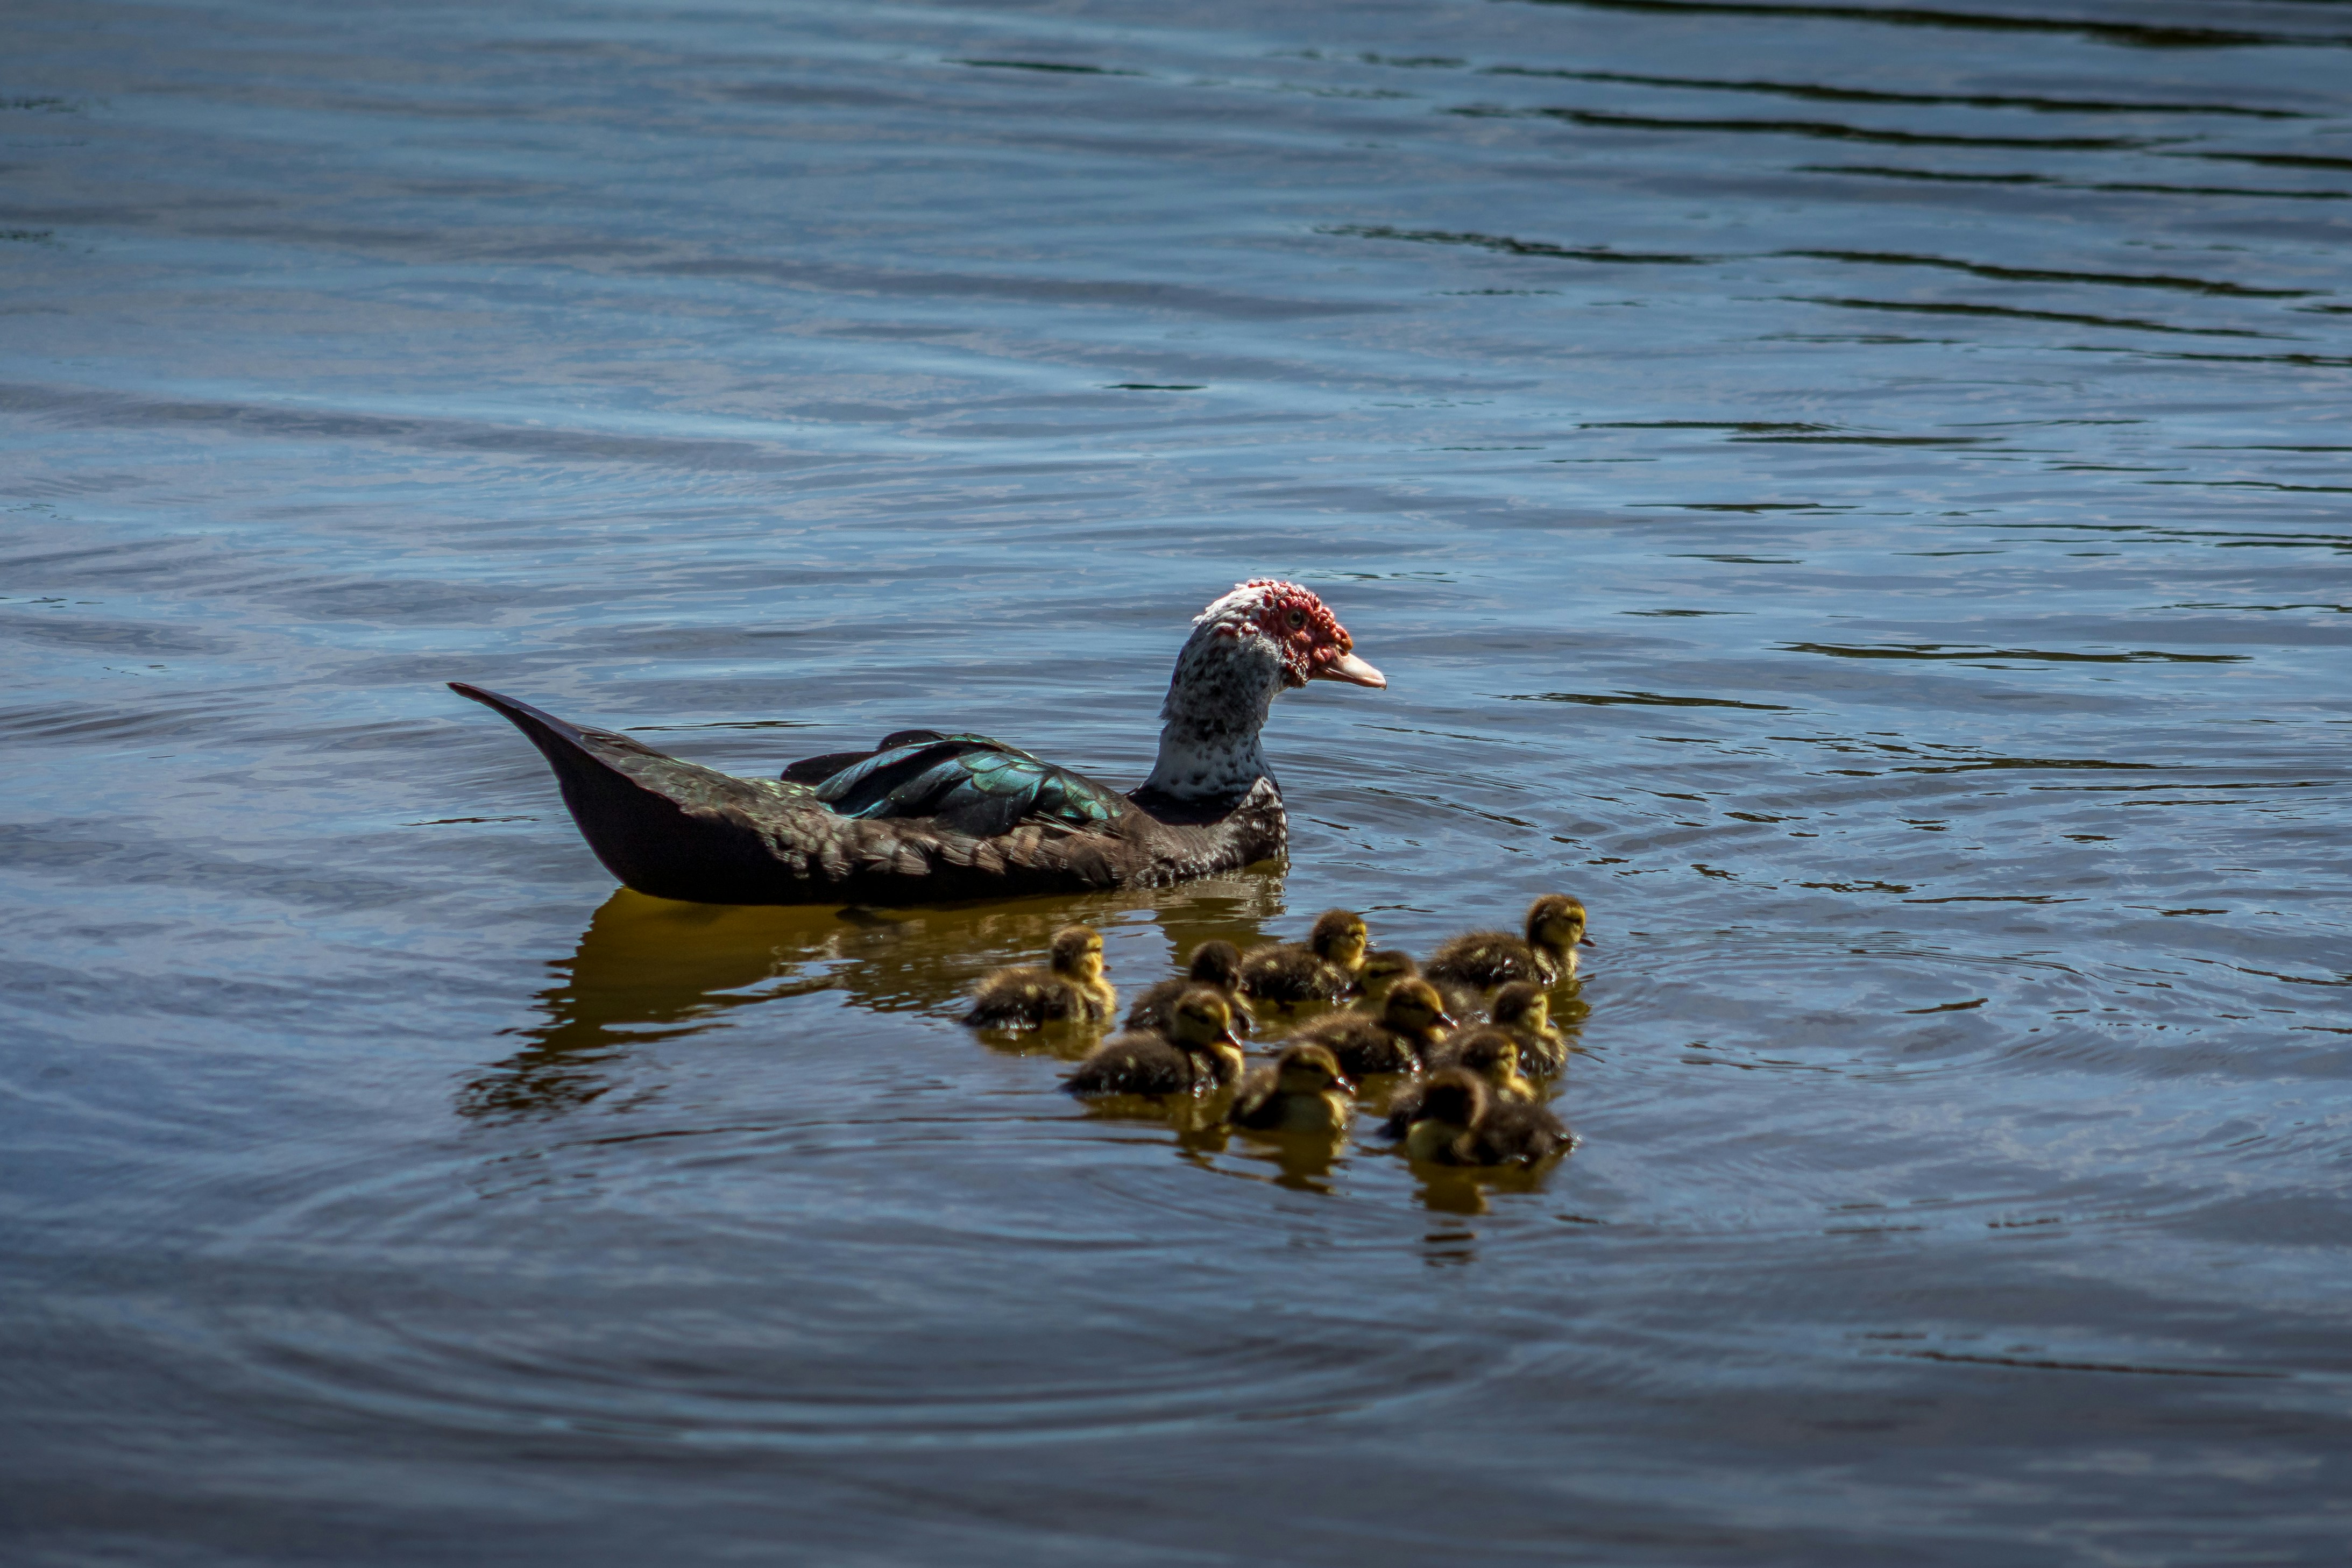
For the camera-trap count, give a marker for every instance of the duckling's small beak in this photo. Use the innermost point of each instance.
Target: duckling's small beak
(1349, 668)
(1444, 1018)
(1586, 942)
(1339, 1081)
(1226, 1036)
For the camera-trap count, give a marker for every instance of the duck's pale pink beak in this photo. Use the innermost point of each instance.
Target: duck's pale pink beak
(1354, 671)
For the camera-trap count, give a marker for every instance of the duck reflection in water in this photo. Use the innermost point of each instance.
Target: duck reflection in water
(648, 969)
(1301, 1161)
(1298, 1111)
(1453, 1189)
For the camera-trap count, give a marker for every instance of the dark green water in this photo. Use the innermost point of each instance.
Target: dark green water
(1858, 495)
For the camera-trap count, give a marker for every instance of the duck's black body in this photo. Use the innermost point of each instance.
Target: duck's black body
(927, 818)
(678, 829)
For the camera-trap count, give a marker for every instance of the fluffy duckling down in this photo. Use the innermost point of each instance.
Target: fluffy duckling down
(1490, 1052)
(1545, 957)
(1216, 965)
(1412, 1021)
(1381, 971)
(1482, 1050)
(1524, 1011)
(1385, 967)
(1458, 1123)
(1321, 969)
(1072, 986)
(1199, 1052)
(1302, 1091)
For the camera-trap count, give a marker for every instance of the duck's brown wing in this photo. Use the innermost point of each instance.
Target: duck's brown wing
(678, 829)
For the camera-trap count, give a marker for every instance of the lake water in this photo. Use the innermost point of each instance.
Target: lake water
(1857, 494)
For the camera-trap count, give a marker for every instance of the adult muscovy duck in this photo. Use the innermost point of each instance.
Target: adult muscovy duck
(928, 815)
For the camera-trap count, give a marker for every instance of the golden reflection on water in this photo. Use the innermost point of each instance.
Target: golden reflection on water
(1302, 1160)
(1453, 1189)
(650, 968)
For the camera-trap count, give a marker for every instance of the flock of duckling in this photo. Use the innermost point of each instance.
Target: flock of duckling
(1464, 1092)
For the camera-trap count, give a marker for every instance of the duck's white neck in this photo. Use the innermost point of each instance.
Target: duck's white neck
(1225, 678)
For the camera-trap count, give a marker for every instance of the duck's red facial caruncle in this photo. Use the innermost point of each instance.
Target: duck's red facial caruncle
(1314, 646)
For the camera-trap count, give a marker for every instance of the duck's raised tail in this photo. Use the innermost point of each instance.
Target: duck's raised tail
(661, 825)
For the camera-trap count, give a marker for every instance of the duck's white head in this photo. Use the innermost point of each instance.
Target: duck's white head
(1265, 637)
(1305, 638)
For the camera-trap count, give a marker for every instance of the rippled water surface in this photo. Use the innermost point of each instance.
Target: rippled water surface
(1858, 494)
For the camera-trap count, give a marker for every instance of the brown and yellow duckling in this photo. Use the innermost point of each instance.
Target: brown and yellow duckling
(1458, 1122)
(1483, 1050)
(1071, 987)
(1216, 965)
(1320, 969)
(1524, 1011)
(1545, 957)
(1387, 965)
(1493, 1054)
(1412, 1020)
(1199, 1052)
(1303, 1091)
(1381, 971)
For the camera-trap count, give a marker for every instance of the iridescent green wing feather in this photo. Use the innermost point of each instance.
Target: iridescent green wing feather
(967, 782)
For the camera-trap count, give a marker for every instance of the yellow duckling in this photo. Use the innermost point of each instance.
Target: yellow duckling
(1071, 987)
(1412, 1021)
(1199, 1052)
(1303, 1091)
(1458, 1123)
(1483, 1050)
(1381, 971)
(1545, 957)
(1216, 965)
(1525, 1012)
(1490, 1052)
(1384, 968)
(1321, 969)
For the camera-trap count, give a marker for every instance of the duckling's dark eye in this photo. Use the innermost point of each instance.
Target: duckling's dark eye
(1297, 618)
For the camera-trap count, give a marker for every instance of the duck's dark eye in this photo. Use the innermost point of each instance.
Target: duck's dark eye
(1297, 618)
